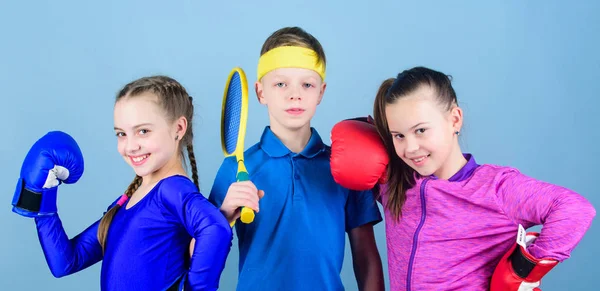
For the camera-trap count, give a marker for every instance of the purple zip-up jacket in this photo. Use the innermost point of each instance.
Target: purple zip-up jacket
(453, 232)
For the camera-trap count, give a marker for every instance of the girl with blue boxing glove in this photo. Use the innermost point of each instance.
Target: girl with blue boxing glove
(144, 236)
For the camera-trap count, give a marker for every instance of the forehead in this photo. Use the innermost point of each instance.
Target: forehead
(131, 111)
(292, 73)
(416, 107)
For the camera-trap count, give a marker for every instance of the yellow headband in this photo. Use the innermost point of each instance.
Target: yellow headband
(290, 57)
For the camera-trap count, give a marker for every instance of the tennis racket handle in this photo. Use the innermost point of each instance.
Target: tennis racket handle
(247, 215)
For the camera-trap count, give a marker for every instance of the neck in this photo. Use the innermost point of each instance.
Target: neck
(453, 164)
(295, 140)
(173, 167)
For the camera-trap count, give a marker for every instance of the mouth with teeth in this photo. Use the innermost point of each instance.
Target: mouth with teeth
(420, 160)
(138, 160)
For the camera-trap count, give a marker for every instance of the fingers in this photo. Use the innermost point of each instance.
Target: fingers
(192, 245)
(236, 202)
(247, 185)
(241, 194)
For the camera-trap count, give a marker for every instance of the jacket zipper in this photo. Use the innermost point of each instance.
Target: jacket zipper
(416, 235)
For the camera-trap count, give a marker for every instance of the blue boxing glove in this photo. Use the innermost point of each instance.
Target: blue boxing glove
(53, 159)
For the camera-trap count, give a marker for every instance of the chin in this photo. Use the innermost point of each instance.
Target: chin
(425, 173)
(141, 172)
(297, 124)
(144, 170)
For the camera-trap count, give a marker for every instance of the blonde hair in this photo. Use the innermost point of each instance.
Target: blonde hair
(175, 101)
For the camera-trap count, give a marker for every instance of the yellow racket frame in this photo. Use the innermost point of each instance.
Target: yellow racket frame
(247, 215)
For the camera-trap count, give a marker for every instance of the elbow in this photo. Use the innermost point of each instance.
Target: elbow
(590, 212)
(225, 231)
(587, 210)
(59, 272)
(60, 268)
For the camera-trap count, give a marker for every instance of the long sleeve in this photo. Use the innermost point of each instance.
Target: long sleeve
(224, 178)
(564, 214)
(205, 223)
(66, 256)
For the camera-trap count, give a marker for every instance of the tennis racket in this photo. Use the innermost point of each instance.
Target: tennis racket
(233, 127)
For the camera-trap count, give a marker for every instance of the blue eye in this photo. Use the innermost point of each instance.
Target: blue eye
(307, 85)
(280, 84)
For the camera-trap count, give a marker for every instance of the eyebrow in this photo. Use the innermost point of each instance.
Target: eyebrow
(137, 126)
(413, 127)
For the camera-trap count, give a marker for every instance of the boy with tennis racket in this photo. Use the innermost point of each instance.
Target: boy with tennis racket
(297, 240)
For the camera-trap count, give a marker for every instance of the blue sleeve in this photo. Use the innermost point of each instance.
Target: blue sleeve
(225, 177)
(205, 223)
(67, 256)
(361, 209)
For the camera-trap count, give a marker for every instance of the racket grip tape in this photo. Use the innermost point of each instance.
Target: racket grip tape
(247, 215)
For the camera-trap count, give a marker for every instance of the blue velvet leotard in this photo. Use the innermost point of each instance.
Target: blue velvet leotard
(147, 246)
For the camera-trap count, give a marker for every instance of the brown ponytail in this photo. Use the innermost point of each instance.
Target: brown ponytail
(192, 158)
(110, 214)
(399, 175)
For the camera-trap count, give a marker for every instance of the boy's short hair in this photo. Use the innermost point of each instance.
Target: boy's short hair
(294, 36)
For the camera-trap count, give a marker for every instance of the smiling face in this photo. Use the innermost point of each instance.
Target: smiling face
(291, 96)
(145, 137)
(423, 131)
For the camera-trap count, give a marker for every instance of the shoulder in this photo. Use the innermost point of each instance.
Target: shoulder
(496, 174)
(177, 183)
(253, 150)
(175, 187)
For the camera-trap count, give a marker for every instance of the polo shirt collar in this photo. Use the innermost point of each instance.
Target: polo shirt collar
(273, 146)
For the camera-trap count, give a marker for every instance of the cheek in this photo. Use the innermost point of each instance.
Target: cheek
(121, 146)
(437, 141)
(399, 147)
(159, 144)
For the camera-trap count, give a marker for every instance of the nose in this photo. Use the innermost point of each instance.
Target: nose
(412, 145)
(295, 94)
(131, 145)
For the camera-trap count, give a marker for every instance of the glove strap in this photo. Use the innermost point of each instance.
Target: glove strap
(27, 200)
(529, 268)
(31, 203)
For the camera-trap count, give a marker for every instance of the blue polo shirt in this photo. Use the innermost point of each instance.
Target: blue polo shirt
(297, 240)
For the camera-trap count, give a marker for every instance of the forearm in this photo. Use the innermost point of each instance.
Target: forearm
(366, 259)
(563, 228)
(564, 214)
(210, 252)
(64, 256)
(369, 272)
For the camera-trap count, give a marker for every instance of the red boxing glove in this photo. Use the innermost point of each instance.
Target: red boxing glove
(358, 157)
(518, 270)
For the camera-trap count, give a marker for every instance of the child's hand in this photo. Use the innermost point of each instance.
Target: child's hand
(240, 194)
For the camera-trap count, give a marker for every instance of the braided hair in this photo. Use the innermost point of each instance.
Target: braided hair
(175, 101)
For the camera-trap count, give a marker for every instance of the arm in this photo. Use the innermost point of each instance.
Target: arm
(361, 214)
(230, 196)
(213, 239)
(365, 258)
(224, 178)
(209, 228)
(564, 214)
(64, 256)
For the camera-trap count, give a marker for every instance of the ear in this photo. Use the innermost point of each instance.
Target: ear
(258, 88)
(456, 118)
(181, 125)
(323, 87)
